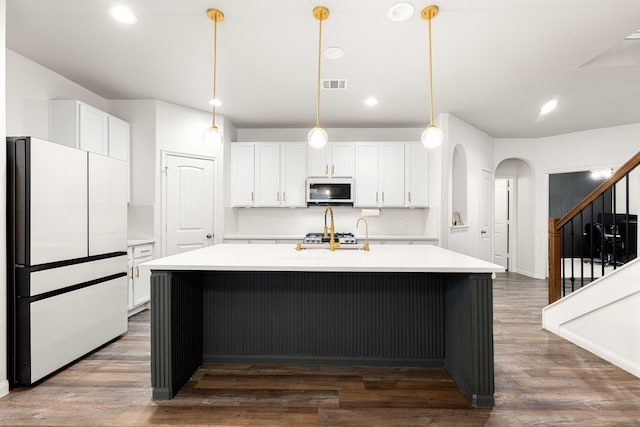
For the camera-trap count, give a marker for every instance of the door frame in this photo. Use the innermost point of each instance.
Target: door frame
(164, 189)
(491, 214)
(511, 221)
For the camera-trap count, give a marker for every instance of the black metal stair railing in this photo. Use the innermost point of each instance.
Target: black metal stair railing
(597, 236)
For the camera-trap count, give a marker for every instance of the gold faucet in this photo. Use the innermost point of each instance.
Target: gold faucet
(366, 241)
(333, 245)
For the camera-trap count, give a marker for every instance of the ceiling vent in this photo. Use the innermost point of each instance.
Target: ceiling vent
(334, 84)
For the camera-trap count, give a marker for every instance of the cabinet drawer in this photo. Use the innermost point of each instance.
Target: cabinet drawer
(142, 250)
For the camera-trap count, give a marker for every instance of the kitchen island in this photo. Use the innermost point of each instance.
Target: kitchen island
(395, 305)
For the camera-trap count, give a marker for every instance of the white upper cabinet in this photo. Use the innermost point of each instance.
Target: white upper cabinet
(293, 174)
(379, 178)
(243, 174)
(416, 176)
(336, 159)
(79, 125)
(93, 130)
(119, 142)
(268, 174)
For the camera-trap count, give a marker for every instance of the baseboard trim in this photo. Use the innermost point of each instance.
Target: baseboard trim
(4, 388)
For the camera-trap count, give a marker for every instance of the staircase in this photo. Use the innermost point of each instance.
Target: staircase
(594, 273)
(603, 317)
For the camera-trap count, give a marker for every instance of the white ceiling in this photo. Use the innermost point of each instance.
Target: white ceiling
(495, 62)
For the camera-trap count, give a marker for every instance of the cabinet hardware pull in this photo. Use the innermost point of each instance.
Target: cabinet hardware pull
(409, 196)
(137, 271)
(252, 196)
(383, 197)
(333, 170)
(326, 169)
(132, 273)
(376, 197)
(145, 251)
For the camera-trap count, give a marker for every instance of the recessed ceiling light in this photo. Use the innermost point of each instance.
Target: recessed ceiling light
(123, 14)
(215, 102)
(400, 12)
(333, 52)
(371, 101)
(548, 107)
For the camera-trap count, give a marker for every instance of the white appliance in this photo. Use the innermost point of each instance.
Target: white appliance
(67, 260)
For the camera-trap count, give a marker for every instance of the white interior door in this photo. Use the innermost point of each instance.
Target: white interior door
(189, 203)
(486, 210)
(501, 223)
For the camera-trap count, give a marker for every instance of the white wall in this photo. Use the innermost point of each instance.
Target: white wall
(31, 87)
(4, 384)
(299, 221)
(579, 151)
(478, 148)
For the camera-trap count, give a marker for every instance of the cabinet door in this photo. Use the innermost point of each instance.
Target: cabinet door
(107, 205)
(242, 174)
(93, 129)
(267, 175)
(293, 174)
(342, 159)
(119, 137)
(141, 282)
(391, 175)
(366, 176)
(416, 176)
(318, 164)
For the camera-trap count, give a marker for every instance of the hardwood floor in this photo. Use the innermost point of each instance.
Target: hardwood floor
(540, 380)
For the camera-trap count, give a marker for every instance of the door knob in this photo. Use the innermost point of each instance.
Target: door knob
(209, 236)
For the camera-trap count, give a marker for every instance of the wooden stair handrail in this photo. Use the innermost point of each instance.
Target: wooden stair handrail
(615, 178)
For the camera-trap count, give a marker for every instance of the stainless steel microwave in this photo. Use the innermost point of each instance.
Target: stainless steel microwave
(330, 191)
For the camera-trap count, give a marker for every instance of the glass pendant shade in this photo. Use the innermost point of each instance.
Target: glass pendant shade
(212, 136)
(432, 137)
(317, 137)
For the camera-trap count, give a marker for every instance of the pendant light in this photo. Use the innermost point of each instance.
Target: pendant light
(432, 135)
(213, 135)
(318, 137)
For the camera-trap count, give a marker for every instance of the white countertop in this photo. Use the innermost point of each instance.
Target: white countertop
(299, 237)
(137, 242)
(269, 257)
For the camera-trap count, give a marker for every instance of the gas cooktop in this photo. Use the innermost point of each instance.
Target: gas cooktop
(343, 238)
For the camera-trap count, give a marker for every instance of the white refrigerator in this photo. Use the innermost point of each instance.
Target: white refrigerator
(67, 242)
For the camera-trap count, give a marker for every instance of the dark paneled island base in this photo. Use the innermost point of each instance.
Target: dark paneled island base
(438, 320)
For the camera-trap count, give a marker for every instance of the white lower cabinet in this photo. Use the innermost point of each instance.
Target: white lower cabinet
(139, 279)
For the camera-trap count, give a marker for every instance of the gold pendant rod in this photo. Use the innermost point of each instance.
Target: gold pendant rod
(429, 13)
(216, 16)
(320, 13)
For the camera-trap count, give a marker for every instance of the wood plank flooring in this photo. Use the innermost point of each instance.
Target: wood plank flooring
(540, 380)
